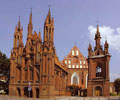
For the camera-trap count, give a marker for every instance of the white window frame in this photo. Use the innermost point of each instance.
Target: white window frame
(77, 53)
(81, 66)
(83, 62)
(73, 66)
(69, 66)
(65, 61)
(80, 62)
(69, 61)
(73, 53)
(77, 66)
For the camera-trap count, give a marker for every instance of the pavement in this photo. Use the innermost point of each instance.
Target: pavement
(4, 97)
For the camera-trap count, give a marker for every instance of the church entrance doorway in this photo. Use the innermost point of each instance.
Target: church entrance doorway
(27, 93)
(19, 93)
(75, 79)
(98, 91)
(37, 92)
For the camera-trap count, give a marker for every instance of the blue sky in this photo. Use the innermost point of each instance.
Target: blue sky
(75, 21)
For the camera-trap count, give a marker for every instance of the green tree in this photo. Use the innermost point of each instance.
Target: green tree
(117, 85)
(4, 71)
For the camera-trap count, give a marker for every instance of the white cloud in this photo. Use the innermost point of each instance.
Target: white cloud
(112, 35)
(114, 76)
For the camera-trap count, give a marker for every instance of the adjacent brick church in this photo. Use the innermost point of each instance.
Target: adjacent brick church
(35, 66)
(77, 68)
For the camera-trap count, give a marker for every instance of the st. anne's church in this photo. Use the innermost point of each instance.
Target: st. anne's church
(35, 70)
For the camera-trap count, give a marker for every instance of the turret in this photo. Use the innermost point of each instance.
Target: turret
(106, 46)
(30, 27)
(49, 28)
(90, 50)
(97, 38)
(39, 36)
(18, 41)
(29, 34)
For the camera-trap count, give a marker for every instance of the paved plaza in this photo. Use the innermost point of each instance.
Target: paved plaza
(62, 98)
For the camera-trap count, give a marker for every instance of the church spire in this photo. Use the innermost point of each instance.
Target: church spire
(49, 13)
(30, 26)
(97, 38)
(90, 47)
(97, 28)
(19, 23)
(48, 18)
(90, 50)
(49, 28)
(30, 19)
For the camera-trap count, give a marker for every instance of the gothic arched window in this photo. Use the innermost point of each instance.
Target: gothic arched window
(98, 71)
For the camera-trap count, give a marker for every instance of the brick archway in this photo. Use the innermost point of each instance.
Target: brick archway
(27, 93)
(37, 92)
(18, 91)
(98, 91)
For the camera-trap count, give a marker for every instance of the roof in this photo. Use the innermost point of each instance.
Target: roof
(75, 48)
(57, 62)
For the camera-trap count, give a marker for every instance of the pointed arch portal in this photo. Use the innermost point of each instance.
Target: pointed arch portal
(75, 78)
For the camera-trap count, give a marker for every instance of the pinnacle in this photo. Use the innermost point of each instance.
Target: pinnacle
(19, 23)
(30, 19)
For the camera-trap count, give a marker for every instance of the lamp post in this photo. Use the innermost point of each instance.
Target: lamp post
(29, 88)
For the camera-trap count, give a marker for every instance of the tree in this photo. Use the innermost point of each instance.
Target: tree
(117, 85)
(4, 71)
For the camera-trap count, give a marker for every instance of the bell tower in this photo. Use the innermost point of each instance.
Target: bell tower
(98, 68)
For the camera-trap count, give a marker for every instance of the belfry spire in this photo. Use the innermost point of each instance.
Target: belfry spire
(97, 28)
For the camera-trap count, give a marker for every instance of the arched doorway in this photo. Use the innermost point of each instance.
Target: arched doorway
(75, 83)
(37, 92)
(75, 79)
(98, 91)
(19, 92)
(28, 93)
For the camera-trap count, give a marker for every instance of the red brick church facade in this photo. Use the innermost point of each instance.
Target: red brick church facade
(77, 68)
(36, 64)
(36, 67)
